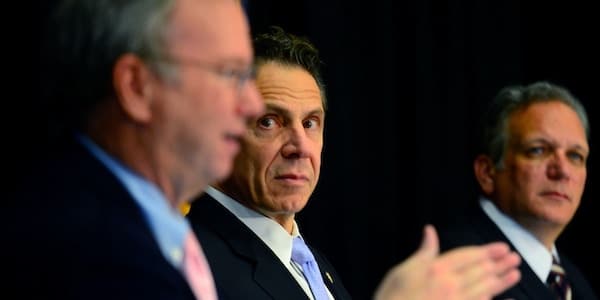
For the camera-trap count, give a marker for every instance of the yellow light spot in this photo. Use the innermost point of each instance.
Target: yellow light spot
(185, 208)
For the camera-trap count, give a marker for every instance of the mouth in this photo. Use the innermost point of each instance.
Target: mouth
(556, 195)
(233, 140)
(292, 179)
(233, 136)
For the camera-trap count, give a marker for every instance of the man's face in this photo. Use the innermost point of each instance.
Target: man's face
(278, 166)
(544, 165)
(201, 114)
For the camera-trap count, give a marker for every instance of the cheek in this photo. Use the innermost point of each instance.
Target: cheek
(256, 160)
(317, 156)
(580, 177)
(529, 177)
(579, 181)
(265, 152)
(317, 166)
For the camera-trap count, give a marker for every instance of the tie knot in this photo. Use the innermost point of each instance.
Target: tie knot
(300, 252)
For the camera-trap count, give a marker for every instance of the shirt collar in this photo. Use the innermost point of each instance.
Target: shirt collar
(269, 231)
(167, 224)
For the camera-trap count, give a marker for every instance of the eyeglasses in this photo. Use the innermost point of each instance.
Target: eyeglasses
(236, 76)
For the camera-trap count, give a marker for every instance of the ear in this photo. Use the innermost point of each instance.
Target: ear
(132, 82)
(485, 172)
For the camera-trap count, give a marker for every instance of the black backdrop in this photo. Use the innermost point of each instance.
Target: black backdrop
(406, 82)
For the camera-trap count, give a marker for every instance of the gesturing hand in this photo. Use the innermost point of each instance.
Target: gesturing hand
(470, 272)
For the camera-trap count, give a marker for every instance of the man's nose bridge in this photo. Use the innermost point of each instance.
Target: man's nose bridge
(296, 133)
(558, 165)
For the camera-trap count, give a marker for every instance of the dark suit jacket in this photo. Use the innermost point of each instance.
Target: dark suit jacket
(243, 266)
(78, 234)
(475, 228)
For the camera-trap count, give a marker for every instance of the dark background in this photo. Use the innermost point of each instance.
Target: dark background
(406, 82)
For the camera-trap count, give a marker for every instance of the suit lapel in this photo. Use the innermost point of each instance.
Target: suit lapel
(268, 271)
(276, 279)
(119, 211)
(529, 284)
(330, 277)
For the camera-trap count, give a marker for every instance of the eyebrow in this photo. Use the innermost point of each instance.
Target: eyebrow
(282, 111)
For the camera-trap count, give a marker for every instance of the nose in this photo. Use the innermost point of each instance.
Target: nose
(251, 103)
(297, 143)
(558, 167)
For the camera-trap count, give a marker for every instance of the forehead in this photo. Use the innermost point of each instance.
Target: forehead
(210, 28)
(552, 119)
(290, 84)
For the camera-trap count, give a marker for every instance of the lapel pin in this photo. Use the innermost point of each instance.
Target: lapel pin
(329, 277)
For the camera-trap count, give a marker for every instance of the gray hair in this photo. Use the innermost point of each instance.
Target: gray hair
(86, 38)
(511, 99)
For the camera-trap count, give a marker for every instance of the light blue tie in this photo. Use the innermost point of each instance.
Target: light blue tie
(302, 256)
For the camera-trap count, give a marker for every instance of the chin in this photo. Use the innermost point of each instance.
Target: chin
(220, 172)
(558, 218)
(298, 205)
(291, 204)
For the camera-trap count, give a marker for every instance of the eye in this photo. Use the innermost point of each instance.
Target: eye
(535, 151)
(267, 122)
(576, 157)
(228, 73)
(311, 123)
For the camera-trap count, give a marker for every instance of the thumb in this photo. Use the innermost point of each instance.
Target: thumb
(430, 246)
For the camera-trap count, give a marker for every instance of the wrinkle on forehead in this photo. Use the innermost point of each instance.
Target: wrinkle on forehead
(277, 81)
(554, 122)
(281, 92)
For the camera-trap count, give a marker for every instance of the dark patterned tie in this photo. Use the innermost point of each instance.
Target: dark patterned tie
(557, 281)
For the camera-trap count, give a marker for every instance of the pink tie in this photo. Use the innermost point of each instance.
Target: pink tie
(196, 269)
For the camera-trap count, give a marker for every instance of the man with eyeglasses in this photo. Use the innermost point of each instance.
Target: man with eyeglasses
(247, 222)
(152, 98)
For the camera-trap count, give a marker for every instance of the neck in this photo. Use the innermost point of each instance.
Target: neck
(544, 231)
(232, 189)
(285, 220)
(133, 145)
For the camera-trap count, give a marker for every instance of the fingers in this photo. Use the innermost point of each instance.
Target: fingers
(490, 286)
(472, 272)
(481, 271)
(430, 246)
(491, 277)
(464, 257)
(408, 280)
(428, 250)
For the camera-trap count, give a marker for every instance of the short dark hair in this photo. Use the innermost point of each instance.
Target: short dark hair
(494, 136)
(284, 48)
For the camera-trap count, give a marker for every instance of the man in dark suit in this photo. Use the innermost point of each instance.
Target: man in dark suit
(531, 173)
(153, 95)
(247, 224)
